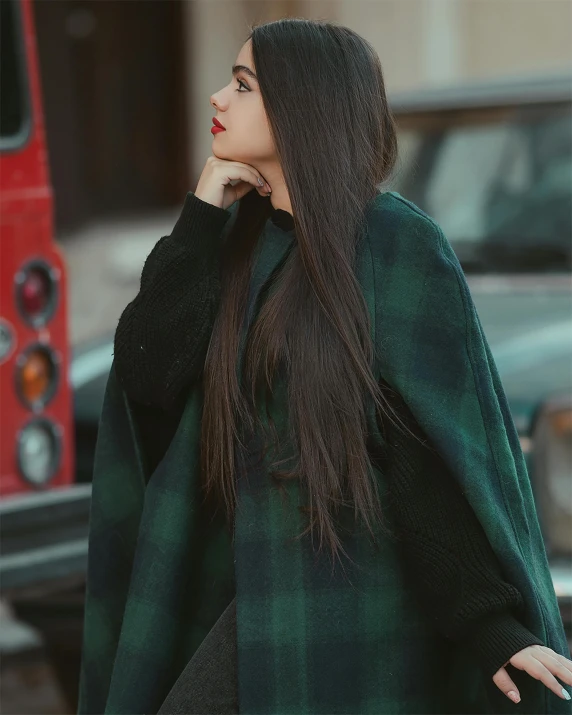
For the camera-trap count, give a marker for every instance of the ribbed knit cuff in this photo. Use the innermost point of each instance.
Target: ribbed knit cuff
(200, 225)
(497, 638)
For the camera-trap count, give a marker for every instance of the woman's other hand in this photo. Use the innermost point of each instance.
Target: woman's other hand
(541, 663)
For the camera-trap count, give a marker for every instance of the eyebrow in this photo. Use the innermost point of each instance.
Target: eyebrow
(245, 69)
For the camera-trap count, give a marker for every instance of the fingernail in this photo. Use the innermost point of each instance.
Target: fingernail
(514, 696)
(268, 187)
(566, 694)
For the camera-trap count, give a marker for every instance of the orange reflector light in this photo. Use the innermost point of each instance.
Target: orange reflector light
(36, 375)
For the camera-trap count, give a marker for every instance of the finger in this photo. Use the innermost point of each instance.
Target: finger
(261, 185)
(505, 683)
(240, 189)
(556, 663)
(248, 167)
(538, 670)
(560, 658)
(252, 180)
(247, 173)
(243, 187)
(235, 171)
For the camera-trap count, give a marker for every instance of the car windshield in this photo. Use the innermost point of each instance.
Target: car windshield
(498, 183)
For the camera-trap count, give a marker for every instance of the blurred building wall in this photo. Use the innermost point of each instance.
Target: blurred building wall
(534, 36)
(423, 42)
(113, 91)
(420, 42)
(127, 85)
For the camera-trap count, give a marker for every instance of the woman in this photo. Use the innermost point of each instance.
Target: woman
(384, 412)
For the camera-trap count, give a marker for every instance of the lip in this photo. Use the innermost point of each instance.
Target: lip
(217, 123)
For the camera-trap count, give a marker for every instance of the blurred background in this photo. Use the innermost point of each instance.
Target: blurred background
(105, 126)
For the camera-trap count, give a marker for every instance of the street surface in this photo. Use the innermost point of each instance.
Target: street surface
(104, 263)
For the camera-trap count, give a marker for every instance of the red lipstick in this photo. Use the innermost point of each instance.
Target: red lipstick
(218, 127)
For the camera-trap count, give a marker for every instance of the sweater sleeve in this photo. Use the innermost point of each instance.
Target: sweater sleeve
(446, 552)
(175, 308)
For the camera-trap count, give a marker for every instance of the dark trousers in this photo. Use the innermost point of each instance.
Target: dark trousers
(209, 683)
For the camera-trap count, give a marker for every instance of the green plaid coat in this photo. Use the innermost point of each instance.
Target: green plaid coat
(160, 574)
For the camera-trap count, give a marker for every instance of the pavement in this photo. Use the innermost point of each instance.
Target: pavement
(28, 682)
(104, 260)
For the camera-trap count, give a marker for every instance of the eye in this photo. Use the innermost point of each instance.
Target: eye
(241, 84)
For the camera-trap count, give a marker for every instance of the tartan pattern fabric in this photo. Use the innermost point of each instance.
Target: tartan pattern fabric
(149, 549)
(309, 641)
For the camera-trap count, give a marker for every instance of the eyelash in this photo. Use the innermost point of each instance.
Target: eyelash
(241, 84)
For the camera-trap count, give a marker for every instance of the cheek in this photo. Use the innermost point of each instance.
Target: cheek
(250, 136)
(264, 139)
(260, 130)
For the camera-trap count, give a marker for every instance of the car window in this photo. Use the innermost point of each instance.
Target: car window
(500, 189)
(14, 101)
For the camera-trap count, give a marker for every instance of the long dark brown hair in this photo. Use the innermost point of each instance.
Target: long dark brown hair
(323, 91)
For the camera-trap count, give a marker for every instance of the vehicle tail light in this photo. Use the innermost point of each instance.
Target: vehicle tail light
(36, 292)
(39, 451)
(37, 376)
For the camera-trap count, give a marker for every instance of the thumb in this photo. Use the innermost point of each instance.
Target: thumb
(504, 682)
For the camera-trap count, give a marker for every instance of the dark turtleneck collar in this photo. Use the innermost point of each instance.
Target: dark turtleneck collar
(283, 219)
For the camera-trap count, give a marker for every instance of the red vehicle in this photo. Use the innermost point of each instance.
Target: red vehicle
(37, 494)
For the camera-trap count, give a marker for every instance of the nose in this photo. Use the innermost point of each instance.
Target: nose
(215, 103)
(217, 99)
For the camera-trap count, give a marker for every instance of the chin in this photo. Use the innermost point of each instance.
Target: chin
(222, 153)
(224, 150)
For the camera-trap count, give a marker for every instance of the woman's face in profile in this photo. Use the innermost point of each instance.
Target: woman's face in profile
(240, 110)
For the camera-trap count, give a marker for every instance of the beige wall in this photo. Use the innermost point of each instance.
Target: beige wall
(423, 42)
(516, 37)
(420, 42)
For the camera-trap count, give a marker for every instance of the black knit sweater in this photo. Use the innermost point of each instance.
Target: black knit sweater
(160, 347)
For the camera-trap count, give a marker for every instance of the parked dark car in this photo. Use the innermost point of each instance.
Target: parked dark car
(492, 163)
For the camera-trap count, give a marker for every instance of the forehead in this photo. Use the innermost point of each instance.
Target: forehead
(245, 55)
